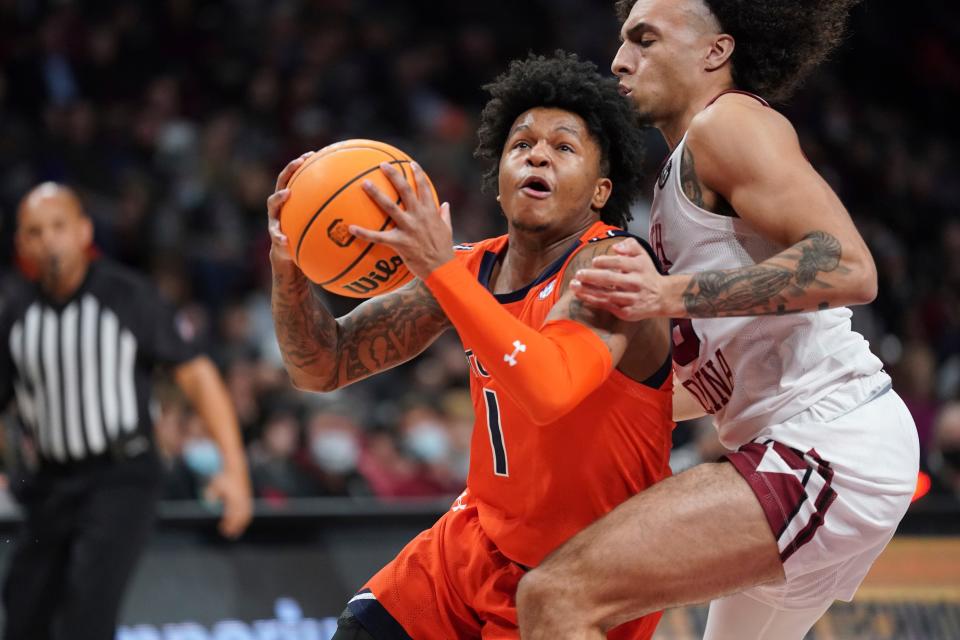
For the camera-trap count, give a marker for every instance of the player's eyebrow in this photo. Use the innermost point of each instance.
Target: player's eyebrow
(637, 30)
(571, 130)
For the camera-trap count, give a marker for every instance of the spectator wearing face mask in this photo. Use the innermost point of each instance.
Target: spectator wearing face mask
(426, 438)
(332, 455)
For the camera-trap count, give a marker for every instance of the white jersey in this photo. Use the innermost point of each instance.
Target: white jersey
(751, 372)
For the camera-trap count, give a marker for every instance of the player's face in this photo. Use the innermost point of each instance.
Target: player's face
(53, 235)
(550, 172)
(660, 60)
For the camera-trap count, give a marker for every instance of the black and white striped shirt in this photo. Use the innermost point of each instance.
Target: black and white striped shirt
(81, 370)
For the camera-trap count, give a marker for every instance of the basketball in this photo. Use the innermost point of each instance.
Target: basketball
(326, 197)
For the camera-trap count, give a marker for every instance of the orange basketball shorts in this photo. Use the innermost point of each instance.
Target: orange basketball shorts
(451, 582)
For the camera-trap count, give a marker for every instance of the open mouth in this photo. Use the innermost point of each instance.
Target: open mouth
(535, 187)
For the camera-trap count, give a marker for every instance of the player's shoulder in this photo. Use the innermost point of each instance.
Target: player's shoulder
(474, 255)
(738, 137)
(737, 120)
(603, 244)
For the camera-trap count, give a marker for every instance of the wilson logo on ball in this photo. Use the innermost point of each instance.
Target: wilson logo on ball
(372, 281)
(338, 232)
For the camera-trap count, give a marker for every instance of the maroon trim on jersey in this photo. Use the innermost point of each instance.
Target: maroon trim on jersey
(781, 495)
(746, 93)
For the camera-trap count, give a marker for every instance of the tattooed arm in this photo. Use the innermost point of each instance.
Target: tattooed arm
(323, 353)
(744, 160)
(750, 156)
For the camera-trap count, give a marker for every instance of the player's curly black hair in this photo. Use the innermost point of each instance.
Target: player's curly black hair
(563, 81)
(778, 42)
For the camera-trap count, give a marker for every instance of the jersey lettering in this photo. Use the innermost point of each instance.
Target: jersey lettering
(712, 384)
(656, 239)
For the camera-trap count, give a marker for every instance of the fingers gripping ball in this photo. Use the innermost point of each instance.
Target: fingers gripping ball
(326, 197)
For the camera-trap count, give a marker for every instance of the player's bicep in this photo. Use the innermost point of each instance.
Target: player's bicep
(614, 332)
(388, 330)
(751, 156)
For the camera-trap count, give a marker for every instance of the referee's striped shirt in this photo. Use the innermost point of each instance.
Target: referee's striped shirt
(81, 370)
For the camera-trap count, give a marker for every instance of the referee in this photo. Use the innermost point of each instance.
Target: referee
(78, 349)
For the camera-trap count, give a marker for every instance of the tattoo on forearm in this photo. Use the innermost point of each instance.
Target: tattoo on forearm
(305, 330)
(822, 253)
(378, 334)
(688, 178)
(766, 289)
(388, 330)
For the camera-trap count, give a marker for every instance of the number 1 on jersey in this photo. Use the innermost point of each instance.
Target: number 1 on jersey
(496, 433)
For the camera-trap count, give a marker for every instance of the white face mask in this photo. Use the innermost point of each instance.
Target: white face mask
(428, 441)
(335, 451)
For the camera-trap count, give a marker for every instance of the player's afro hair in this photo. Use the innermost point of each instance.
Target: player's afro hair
(563, 81)
(778, 42)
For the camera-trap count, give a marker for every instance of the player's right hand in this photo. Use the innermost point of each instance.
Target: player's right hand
(279, 243)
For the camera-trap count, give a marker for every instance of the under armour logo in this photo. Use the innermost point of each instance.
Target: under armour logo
(512, 357)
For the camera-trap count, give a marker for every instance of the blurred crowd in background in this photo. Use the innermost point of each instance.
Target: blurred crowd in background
(173, 118)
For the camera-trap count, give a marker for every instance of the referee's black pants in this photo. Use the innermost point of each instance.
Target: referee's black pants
(81, 538)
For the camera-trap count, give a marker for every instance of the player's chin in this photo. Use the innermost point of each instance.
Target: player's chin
(531, 224)
(533, 215)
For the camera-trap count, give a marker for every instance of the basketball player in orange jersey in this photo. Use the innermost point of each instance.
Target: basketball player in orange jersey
(573, 406)
(762, 257)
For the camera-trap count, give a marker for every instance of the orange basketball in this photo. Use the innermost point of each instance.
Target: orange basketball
(326, 196)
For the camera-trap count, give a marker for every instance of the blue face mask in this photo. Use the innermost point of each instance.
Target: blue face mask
(202, 457)
(428, 441)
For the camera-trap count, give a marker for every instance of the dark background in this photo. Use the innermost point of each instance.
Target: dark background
(172, 118)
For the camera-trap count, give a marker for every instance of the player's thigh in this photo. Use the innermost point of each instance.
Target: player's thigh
(740, 617)
(690, 538)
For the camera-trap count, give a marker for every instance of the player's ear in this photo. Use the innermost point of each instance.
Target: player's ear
(601, 193)
(719, 53)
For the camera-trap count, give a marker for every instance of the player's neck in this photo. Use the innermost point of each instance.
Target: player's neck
(674, 128)
(529, 253)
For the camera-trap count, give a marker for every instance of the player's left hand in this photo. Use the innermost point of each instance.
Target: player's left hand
(423, 236)
(232, 488)
(627, 284)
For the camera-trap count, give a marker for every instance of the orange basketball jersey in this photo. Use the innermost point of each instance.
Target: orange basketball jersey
(536, 486)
